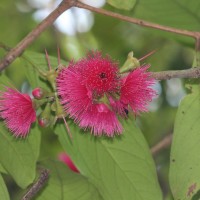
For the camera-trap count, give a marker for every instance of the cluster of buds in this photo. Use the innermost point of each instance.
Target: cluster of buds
(93, 91)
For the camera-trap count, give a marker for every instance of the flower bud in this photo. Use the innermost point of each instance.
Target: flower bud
(39, 93)
(44, 122)
(130, 64)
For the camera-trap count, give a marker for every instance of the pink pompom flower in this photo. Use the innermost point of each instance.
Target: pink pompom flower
(94, 94)
(81, 88)
(136, 90)
(17, 111)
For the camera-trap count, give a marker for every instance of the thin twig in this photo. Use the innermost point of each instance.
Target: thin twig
(21, 46)
(36, 187)
(187, 73)
(193, 34)
(164, 143)
(139, 21)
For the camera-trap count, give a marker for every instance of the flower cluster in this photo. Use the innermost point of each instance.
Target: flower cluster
(94, 94)
(91, 91)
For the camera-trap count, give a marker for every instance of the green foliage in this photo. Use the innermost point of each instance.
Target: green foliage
(126, 5)
(19, 156)
(185, 157)
(3, 190)
(120, 168)
(65, 184)
(2, 170)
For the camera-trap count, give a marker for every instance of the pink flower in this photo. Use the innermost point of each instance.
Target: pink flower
(94, 95)
(17, 111)
(82, 85)
(100, 74)
(67, 160)
(136, 90)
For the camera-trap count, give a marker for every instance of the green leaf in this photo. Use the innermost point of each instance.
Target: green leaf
(37, 61)
(185, 158)
(3, 190)
(121, 168)
(121, 4)
(19, 156)
(2, 170)
(65, 184)
(4, 80)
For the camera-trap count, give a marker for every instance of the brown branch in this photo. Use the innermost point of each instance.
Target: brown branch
(193, 73)
(66, 4)
(187, 73)
(139, 21)
(21, 46)
(36, 187)
(164, 143)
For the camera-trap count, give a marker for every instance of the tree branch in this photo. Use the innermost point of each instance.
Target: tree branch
(66, 4)
(187, 73)
(21, 46)
(36, 187)
(139, 21)
(164, 143)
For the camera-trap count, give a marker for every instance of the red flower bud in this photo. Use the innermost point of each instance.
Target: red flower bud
(38, 93)
(44, 122)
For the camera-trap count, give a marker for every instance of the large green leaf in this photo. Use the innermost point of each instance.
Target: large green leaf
(3, 190)
(65, 184)
(121, 4)
(121, 168)
(19, 156)
(185, 156)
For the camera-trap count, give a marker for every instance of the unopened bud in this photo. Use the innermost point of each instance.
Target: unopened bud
(39, 93)
(130, 63)
(44, 122)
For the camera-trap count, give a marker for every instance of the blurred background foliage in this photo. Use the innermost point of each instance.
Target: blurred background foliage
(79, 31)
